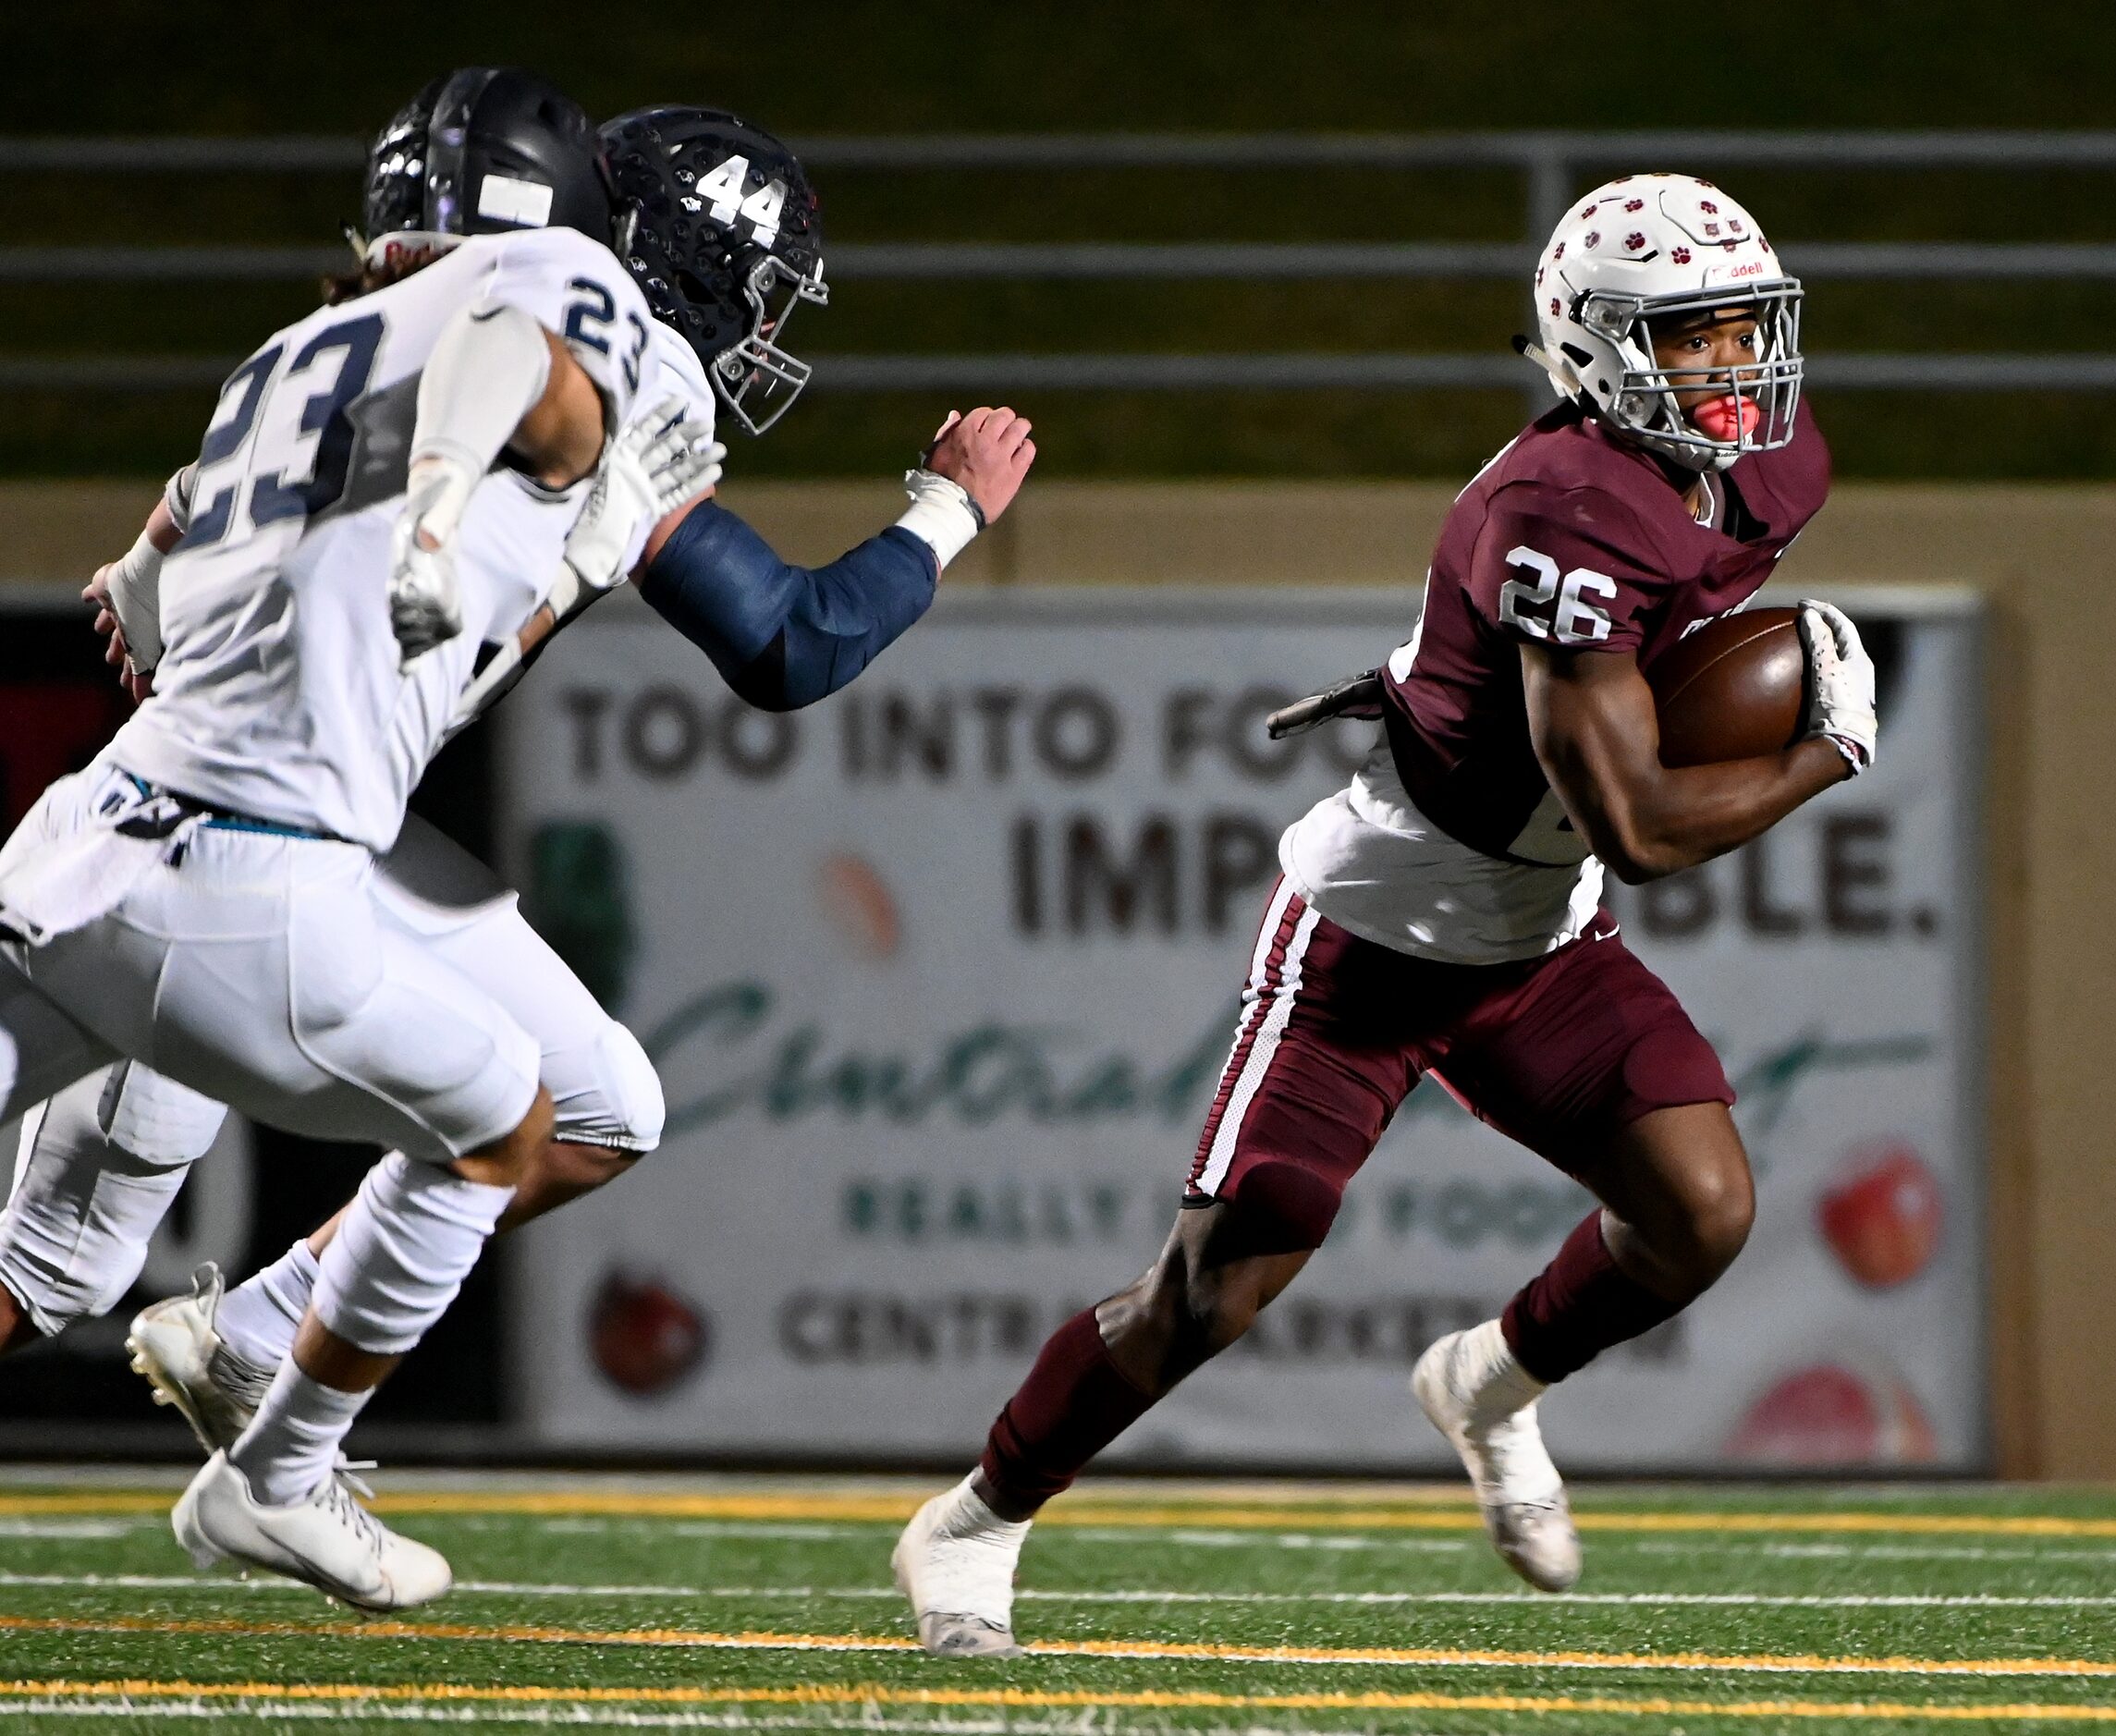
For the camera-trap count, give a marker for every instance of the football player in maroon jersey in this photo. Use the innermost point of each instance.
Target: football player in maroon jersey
(1443, 913)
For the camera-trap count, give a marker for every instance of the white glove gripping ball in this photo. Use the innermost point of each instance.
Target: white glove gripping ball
(1839, 682)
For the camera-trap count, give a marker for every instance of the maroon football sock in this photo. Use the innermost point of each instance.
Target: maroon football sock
(1073, 1405)
(1579, 1305)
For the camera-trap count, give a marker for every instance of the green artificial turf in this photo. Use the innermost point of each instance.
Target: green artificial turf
(766, 1604)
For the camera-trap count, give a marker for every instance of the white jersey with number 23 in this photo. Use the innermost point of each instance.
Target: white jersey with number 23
(280, 692)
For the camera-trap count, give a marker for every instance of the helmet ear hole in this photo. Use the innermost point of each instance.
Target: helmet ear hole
(695, 289)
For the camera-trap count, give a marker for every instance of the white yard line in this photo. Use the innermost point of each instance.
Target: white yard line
(75, 1529)
(1345, 1543)
(1669, 1599)
(1887, 1551)
(514, 1588)
(567, 1716)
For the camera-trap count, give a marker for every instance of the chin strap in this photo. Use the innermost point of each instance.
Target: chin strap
(1562, 376)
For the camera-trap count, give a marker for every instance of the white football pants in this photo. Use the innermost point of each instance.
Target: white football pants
(99, 1167)
(257, 969)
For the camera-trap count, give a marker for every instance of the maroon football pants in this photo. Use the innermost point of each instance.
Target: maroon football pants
(1559, 1052)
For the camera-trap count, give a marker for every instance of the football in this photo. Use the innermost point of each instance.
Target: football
(1733, 690)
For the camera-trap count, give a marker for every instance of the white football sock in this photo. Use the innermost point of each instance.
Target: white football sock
(292, 1444)
(403, 1249)
(1496, 1377)
(257, 1319)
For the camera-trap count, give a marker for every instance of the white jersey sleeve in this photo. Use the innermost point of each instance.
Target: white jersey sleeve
(581, 291)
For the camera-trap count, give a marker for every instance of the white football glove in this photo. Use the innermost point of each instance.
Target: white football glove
(658, 460)
(1840, 683)
(425, 602)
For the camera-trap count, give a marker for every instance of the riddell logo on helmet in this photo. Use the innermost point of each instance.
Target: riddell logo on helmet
(1731, 273)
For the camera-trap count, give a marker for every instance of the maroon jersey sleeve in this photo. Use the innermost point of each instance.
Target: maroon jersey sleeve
(1567, 567)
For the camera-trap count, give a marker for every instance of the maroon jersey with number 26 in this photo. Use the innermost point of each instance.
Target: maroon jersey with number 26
(1451, 843)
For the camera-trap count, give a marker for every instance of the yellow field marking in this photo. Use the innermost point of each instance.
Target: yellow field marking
(1933, 1524)
(1170, 1651)
(1024, 1699)
(1420, 1514)
(90, 1501)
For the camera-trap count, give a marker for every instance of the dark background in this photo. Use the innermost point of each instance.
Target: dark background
(134, 66)
(807, 69)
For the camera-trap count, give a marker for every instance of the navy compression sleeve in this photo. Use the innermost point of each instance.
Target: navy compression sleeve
(784, 637)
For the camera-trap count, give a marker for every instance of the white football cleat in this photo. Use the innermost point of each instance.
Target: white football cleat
(329, 1540)
(955, 1562)
(1483, 1401)
(175, 1345)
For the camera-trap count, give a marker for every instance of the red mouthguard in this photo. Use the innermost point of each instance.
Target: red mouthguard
(1728, 418)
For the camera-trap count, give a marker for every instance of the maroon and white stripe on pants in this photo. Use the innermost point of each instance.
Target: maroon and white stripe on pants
(1267, 1004)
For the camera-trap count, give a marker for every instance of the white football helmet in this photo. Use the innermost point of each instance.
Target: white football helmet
(1642, 249)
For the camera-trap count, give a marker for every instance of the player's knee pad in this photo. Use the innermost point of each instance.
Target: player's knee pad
(74, 1235)
(606, 1092)
(401, 1253)
(154, 1118)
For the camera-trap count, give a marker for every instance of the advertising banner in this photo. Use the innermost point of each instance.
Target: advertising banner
(939, 976)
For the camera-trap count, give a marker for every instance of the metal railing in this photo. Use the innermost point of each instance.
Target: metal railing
(1550, 164)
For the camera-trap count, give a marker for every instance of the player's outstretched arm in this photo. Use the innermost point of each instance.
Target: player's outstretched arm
(1591, 715)
(783, 636)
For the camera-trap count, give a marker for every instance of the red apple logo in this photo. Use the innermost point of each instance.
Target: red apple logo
(644, 1337)
(1835, 1414)
(1882, 1216)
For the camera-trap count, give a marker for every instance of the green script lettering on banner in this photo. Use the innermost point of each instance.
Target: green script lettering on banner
(994, 1070)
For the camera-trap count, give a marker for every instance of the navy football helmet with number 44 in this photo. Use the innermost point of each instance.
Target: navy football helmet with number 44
(719, 224)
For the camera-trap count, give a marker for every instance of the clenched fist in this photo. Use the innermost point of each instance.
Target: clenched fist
(986, 454)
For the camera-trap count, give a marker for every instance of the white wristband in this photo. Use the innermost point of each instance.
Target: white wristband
(135, 586)
(177, 495)
(941, 515)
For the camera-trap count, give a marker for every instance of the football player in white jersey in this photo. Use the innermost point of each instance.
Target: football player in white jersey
(104, 1159)
(378, 485)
